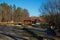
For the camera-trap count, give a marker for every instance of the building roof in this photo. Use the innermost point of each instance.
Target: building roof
(29, 19)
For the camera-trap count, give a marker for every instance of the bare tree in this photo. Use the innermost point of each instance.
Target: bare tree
(51, 11)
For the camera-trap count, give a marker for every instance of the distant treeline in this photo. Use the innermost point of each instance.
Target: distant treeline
(11, 12)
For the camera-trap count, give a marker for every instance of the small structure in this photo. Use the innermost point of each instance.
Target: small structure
(28, 20)
(31, 20)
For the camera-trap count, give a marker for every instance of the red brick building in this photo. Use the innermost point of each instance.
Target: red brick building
(31, 20)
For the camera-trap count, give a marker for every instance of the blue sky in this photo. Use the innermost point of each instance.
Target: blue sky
(31, 5)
